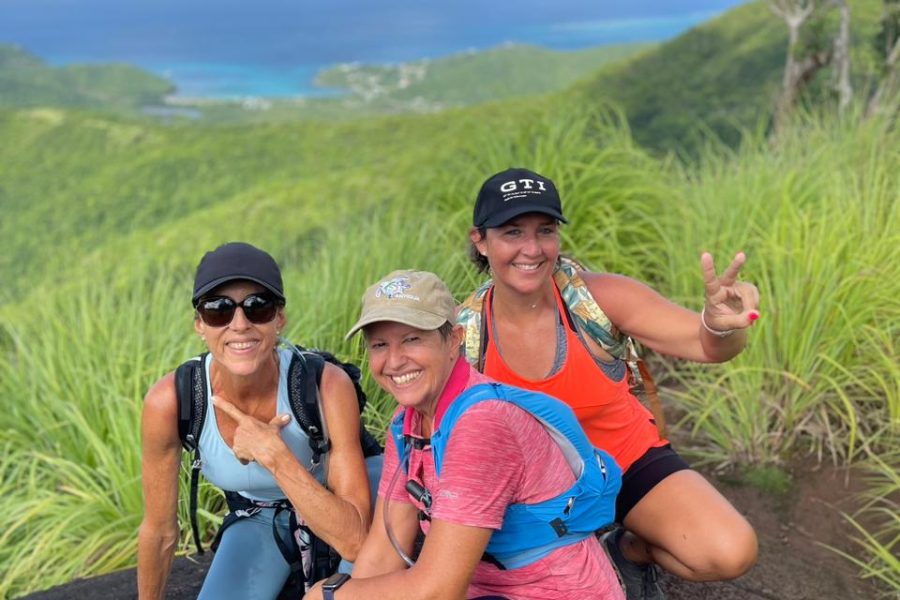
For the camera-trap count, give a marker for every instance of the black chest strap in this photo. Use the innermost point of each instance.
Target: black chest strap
(240, 507)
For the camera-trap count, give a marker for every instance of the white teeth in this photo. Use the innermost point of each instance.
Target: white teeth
(526, 267)
(241, 345)
(406, 378)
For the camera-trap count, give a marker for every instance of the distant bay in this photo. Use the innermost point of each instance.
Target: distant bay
(230, 80)
(226, 50)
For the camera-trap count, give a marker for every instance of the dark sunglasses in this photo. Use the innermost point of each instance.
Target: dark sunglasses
(218, 311)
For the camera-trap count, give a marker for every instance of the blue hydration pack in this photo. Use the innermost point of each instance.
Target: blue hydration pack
(532, 531)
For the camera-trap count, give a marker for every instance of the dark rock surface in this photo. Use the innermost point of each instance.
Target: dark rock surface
(793, 563)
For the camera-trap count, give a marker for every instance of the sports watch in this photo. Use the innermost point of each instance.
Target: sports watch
(332, 584)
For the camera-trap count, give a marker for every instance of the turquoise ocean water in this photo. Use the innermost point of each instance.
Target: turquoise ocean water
(274, 48)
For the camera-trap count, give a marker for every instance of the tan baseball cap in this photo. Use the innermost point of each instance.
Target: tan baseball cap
(415, 298)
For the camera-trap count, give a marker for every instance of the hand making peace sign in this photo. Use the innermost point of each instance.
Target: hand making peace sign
(730, 304)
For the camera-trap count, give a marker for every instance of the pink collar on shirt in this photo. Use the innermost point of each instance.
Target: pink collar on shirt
(461, 377)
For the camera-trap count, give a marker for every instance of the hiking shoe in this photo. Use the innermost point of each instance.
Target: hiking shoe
(640, 582)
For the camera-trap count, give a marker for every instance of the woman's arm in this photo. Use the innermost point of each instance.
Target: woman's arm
(667, 328)
(377, 555)
(160, 462)
(340, 514)
(443, 572)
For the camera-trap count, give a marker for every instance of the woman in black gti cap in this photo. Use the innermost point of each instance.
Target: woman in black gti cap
(543, 324)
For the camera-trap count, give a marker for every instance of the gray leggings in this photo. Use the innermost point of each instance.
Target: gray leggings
(248, 564)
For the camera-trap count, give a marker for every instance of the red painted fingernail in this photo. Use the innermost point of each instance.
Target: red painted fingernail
(753, 316)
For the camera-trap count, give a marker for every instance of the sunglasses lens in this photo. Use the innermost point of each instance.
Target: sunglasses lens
(259, 308)
(217, 312)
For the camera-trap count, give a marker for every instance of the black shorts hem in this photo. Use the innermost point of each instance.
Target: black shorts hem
(642, 476)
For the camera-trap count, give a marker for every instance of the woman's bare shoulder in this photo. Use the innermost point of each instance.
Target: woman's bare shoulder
(160, 411)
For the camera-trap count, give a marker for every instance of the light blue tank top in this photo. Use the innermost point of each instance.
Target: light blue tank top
(224, 470)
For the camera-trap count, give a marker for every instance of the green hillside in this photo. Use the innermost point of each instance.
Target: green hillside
(425, 86)
(25, 80)
(722, 76)
(471, 77)
(72, 182)
(105, 216)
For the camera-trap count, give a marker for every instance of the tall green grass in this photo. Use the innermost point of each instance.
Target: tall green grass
(70, 425)
(820, 222)
(817, 216)
(879, 538)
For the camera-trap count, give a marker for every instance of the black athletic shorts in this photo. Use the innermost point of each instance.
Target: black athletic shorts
(655, 465)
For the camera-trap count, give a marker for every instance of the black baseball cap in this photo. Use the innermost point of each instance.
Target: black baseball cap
(236, 260)
(514, 192)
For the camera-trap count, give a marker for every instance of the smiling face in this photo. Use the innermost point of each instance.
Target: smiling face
(241, 347)
(411, 364)
(522, 253)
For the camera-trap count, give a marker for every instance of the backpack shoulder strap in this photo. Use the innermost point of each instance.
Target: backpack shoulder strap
(472, 317)
(395, 430)
(190, 392)
(585, 311)
(304, 380)
(304, 376)
(190, 389)
(556, 417)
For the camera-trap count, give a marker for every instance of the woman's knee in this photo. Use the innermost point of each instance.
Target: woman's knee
(745, 549)
(731, 554)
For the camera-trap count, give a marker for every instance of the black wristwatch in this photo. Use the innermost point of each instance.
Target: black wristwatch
(332, 584)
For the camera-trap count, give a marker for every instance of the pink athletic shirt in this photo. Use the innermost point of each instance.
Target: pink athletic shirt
(498, 455)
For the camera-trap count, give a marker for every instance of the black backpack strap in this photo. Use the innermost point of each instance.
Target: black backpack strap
(484, 330)
(570, 320)
(304, 380)
(370, 445)
(192, 506)
(304, 373)
(490, 558)
(323, 560)
(190, 391)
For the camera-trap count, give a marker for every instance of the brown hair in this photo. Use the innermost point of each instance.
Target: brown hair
(477, 258)
(446, 330)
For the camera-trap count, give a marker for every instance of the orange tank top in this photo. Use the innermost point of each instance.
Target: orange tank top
(610, 414)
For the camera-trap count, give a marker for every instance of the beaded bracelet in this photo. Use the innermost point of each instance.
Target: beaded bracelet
(715, 332)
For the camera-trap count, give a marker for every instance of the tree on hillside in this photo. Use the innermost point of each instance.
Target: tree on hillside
(888, 46)
(801, 64)
(842, 58)
(813, 44)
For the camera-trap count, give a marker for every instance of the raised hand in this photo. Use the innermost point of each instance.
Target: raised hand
(253, 439)
(730, 304)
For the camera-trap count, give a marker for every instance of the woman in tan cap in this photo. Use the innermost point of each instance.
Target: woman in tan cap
(504, 513)
(543, 324)
(248, 443)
